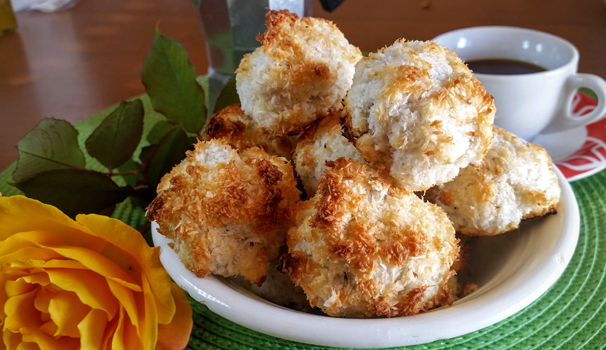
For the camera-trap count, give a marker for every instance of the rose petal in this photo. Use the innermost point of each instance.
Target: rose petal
(92, 329)
(21, 315)
(132, 339)
(125, 261)
(49, 328)
(41, 303)
(132, 242)
(148, 316)
(97, 263)
(17, 287)
(38, 266)
(7, 274)
(46, 293)
(109, 333)
(27, 239)
(45, 317)
(36, 278)
(42, 300)
(12, 249)
(175, 336)
(11, 340)
(118, 337)
(126, 336)
(127, 300)
(46, 342)
(67, 311)
(28, 253)
(27, 346)
(21, 214)
(91, 288)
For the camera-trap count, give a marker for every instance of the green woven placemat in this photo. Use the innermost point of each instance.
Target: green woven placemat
(570, 315)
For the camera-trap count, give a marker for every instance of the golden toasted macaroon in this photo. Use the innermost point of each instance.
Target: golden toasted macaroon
(303, 70)
(362, 247)
(418, 112)
(225, 210)
(516, 182)
(323, 141)
(240, 131)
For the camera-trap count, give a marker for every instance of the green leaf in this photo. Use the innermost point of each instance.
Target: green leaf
(169, 152)
(116, 138)
(53, 144)
(589, 93)
(159, 130)
(74, 191)
(196, 3)
(170, 82)
(146, 153)
(228, 96)
(129, 166)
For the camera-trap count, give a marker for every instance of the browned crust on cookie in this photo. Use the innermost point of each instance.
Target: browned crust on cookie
(356, 246)
(194, 200)
(236, 128)
(323, 125)
(408, 305)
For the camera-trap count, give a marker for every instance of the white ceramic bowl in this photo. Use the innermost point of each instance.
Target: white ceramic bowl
(511, 270)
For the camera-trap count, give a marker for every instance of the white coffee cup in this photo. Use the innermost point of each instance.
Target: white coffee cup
(529, 104)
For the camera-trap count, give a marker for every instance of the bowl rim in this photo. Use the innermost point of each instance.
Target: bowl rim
(443, 323)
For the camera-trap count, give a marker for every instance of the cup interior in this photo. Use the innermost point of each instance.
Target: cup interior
(542, 49)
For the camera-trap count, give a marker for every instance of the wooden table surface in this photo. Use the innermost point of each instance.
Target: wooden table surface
(71, 64)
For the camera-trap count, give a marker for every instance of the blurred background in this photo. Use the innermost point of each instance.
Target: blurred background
(73, 63)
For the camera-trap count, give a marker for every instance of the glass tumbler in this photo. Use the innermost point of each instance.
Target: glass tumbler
(8, 23)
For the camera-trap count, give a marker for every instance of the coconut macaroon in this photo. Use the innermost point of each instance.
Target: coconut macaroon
(418, 112)
(241, 132)
(303, 70)
(361, 247)
(224, 210)
(516, 182)
(321, 142)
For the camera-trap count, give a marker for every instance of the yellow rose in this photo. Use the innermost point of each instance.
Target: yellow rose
(92, 283)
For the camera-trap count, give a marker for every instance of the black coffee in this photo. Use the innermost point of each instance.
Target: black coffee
(502, 66)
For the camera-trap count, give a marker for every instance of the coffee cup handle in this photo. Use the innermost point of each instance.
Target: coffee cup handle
(566, 120)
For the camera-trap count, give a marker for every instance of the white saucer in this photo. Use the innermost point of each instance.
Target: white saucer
(563, 144)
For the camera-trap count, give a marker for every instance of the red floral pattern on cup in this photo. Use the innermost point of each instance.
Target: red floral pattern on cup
(591, 157)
